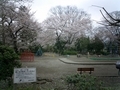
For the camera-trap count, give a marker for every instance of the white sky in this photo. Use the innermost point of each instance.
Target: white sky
(42, 7)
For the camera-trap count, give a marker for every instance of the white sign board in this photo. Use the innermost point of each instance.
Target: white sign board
(24, 75)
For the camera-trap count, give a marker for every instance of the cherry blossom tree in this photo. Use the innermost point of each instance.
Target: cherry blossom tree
(17, 24)
(67, 24)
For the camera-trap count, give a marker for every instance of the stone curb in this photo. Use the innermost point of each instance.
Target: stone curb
(67, 61)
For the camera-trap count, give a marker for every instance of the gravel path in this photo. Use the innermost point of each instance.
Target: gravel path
(52, 68)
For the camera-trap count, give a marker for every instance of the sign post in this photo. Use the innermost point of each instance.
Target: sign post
(24, 75)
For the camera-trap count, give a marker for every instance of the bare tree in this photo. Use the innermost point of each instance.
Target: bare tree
(112, 23)
(110, 19)
(113, 20)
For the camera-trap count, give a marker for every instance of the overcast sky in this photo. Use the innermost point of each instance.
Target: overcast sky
(42, 7)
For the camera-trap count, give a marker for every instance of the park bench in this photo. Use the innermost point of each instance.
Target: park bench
(90, 69)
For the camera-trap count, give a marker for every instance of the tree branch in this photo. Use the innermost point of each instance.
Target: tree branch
(109, 14)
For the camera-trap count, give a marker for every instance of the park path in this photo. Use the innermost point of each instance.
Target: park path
(52, 67)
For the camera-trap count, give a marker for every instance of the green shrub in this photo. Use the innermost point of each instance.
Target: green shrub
(34, 48)
(69, 52)
(105, 53)
(8, 60)
(84, 82)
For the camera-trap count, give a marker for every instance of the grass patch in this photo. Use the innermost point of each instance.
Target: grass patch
(104, 58)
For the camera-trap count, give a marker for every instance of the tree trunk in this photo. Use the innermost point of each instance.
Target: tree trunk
(118, 49)
(3, 33)
(15, 46)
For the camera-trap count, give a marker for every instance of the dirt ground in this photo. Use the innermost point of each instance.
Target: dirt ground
(50, 67)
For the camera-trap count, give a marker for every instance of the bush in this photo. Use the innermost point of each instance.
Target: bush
(84, 82)
(105, 53)
(69, 52)
(8, 60)
(34, 48)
